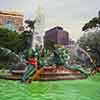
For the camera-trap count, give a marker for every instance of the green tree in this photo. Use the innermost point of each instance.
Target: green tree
(30, 27)
(93, 23)
(11, 40)
(91, 43)
(30, 24)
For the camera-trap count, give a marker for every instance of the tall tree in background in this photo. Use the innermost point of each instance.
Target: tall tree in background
(93, 23)
(29, 31)
(30, 24)
(90, 41)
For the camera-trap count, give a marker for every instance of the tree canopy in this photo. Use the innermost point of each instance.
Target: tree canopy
(11, 39)
(93, 23)
(30, 24)
(91, 43)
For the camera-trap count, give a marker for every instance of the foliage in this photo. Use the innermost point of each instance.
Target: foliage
(91, 43)
(93, 23)
(30, 24)
(11, 39)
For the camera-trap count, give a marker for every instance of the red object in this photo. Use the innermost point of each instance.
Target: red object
(98, 69)
(32, 61)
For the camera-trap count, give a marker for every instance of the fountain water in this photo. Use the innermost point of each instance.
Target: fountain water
(39, 26)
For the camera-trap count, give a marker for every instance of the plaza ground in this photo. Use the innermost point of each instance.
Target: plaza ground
(88, 89)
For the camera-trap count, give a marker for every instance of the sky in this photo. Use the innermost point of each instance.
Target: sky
(70, 14)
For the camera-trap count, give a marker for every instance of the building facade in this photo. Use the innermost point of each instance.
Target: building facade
(57, 36)
(13, 20)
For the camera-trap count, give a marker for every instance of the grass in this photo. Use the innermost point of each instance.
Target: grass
(88, 89)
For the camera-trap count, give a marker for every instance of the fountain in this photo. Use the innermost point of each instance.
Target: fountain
(63, 64)
(60, 64)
